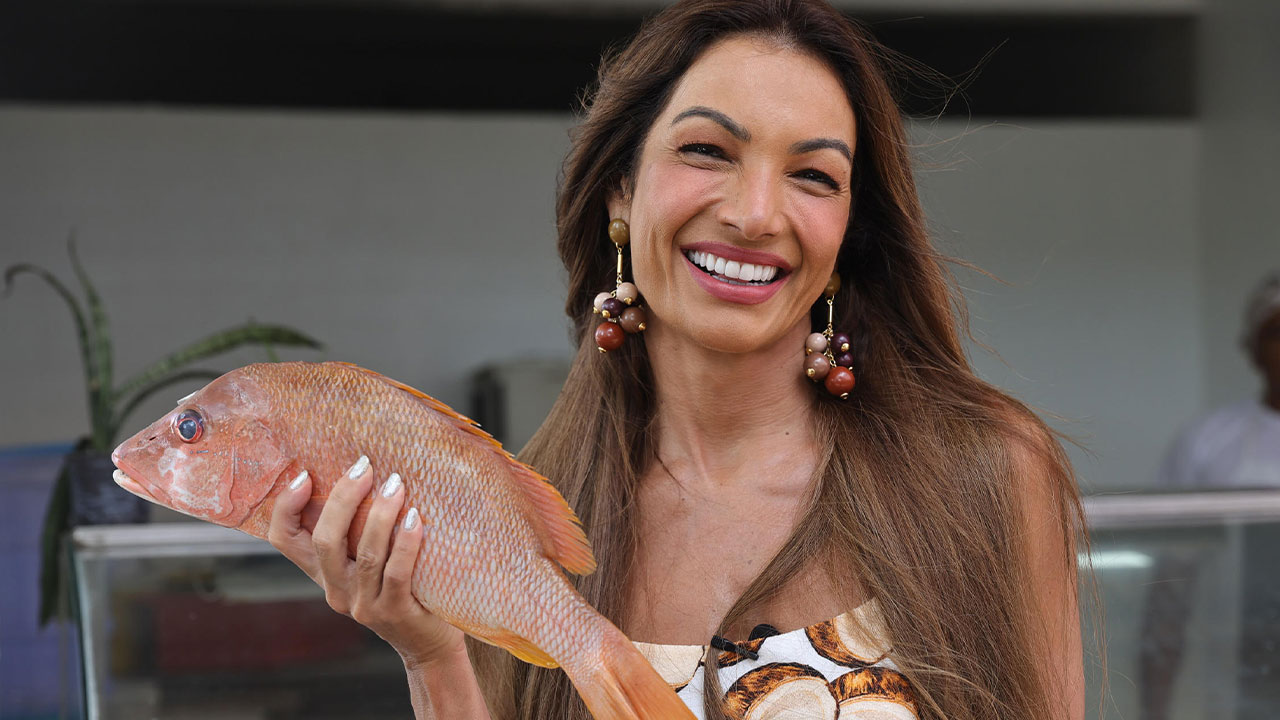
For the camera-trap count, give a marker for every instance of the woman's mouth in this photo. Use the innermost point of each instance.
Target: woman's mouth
(732, 271)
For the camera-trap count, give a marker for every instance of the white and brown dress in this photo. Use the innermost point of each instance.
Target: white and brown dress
(833, 669)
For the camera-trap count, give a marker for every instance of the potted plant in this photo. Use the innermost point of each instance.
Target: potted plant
(84, 492)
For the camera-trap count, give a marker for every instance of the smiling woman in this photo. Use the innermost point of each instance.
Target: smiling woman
(775, 550)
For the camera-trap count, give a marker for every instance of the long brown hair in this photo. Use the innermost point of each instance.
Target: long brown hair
(915, 495)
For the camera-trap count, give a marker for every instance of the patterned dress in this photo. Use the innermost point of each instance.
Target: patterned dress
(833, 669)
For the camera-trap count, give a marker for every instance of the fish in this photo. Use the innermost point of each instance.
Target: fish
(497, 536)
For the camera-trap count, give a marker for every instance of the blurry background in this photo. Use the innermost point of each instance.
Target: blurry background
(380, 175)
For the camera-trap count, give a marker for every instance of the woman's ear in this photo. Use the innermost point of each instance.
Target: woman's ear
(618, 201)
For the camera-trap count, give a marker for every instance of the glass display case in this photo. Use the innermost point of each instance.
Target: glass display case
(1190, 616)
(193, 621)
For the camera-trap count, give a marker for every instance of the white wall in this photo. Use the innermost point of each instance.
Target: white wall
(1240, 219)
(418, 246)
(1091, 229)
(421, 246)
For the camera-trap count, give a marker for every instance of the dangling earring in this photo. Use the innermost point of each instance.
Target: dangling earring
(621, 308)
(827, 356)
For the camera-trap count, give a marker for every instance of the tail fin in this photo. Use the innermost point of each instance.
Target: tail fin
(624, 686)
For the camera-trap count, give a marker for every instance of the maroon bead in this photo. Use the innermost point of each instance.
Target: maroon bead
(839, 382)
(816, 366)
(840, 343)
(845, 360)
(612, 307)
(609, 336)
(632, 320)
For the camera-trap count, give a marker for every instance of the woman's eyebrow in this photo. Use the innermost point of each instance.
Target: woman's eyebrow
(805, 146)
(717, 117)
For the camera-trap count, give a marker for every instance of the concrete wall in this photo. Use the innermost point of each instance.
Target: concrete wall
(421, 246)
(1090, 229)
(418, 246)
(1240, 218)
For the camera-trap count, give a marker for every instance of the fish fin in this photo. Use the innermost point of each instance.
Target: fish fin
(464, 422)
(558, 526)
(521, 648)
(624, 686)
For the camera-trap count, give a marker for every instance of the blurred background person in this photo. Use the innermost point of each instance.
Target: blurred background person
(1233, 447)
(1238, 446)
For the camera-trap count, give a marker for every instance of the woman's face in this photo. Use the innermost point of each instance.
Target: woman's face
(741, 195)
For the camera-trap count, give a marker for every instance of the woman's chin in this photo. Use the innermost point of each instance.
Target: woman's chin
(728, 335)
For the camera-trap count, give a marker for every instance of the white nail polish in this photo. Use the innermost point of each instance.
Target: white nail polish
(297, 482)
(392, 485)
(359, 468)
(411, 519)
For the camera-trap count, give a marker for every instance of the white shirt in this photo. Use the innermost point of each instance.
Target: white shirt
(1237, 446)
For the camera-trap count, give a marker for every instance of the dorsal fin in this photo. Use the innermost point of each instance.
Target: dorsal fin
(554, 521)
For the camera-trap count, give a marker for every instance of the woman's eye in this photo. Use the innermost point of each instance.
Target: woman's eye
(190, 425)
(703, 149)
(818, 176)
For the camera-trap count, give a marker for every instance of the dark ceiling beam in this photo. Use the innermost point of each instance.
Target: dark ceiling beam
(415, 57)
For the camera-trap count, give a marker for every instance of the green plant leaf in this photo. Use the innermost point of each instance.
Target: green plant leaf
(133, 403)
(214, 345)
(57, 519)
(101, 401)
(77, 314)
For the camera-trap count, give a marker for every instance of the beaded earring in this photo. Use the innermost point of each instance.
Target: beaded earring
(827, 356)
(621, 308)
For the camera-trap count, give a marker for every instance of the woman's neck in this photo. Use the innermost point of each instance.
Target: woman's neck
(740, 420)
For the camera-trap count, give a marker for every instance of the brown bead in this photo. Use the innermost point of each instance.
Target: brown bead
(840, 342)
(833, 285)
(619, 233)
(839, 382)
(845, 360)
(627, 293)
(609, 336)
(815, 343)
(816, 366)
(632, 320)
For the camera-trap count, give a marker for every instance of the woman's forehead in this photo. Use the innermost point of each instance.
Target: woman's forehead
(763, 83)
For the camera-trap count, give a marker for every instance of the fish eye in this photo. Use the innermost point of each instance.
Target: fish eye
(190, 425)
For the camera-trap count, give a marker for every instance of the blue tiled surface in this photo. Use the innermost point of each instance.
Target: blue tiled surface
(38, 678)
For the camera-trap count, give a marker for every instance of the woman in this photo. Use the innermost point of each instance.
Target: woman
(722, 490)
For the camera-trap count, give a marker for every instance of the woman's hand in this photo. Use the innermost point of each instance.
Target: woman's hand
(373, 589)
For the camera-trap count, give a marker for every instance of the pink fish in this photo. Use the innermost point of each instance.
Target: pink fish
(495, 533)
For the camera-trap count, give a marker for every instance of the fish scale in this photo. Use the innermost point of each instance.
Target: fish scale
(496, 535)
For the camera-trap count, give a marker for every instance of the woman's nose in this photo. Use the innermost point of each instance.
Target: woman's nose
(754, 206)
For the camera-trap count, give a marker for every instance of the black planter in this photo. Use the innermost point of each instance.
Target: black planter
(95, 497)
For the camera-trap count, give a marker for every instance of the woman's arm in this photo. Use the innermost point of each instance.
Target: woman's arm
(374, 589)
(445, 688)
(1049, 544)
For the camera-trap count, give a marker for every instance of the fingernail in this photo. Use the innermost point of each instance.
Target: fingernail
(391, 486)
(297, 482)
(359, 468)
(411, 519)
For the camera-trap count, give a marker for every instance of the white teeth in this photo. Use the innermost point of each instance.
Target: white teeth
(732, 269)
(119, 477)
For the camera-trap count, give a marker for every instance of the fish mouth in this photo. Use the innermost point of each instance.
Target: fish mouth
(121, 476)
(131, 485)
